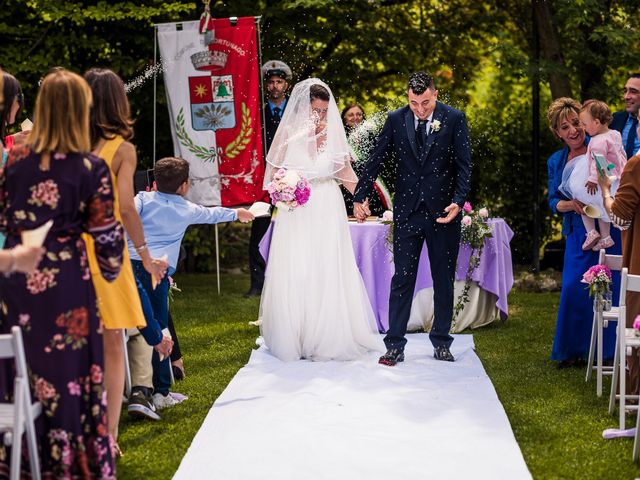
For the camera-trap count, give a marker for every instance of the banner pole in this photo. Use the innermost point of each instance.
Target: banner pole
(260, 80)
(217, 258)
(155, 89)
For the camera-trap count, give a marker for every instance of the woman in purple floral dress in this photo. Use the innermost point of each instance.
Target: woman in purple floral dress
(52, 179)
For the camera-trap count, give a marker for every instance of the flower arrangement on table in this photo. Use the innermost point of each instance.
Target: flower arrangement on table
(598, 279)
(475, 230)
(288, 189)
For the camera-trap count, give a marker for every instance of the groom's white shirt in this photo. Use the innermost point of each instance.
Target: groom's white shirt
(428, 126)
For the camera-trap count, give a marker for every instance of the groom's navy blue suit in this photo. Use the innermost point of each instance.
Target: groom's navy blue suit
(429, 180)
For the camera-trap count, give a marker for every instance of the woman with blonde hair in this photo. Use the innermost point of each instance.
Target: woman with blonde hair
(53, 178)
(573, 325)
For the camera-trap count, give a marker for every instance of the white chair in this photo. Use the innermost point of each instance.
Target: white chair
(601, 320)
(127, 367)
(626, 341)
(18, 417)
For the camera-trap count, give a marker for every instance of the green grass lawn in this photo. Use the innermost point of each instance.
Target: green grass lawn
(556, 417)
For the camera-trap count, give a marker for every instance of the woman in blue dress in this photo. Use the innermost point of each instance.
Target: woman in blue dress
(575, 313)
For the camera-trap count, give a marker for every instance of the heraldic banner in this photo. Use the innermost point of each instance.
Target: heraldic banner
(213, 92)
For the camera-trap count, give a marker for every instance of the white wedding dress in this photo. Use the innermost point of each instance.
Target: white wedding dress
(314, 304)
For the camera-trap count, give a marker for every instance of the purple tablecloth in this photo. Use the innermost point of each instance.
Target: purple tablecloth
(494, 275)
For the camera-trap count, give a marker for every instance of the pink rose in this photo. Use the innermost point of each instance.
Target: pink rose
(483, 212)
(636, 323)
(387, 216)
(467, 207)
(466, 220)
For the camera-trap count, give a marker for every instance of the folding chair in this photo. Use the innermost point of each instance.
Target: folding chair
(626, 341)
(19, 416)
(601, 320)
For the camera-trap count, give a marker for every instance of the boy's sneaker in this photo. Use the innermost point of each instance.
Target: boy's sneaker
(163, 401)
(603, 244)
(592, 238)
(140, 404)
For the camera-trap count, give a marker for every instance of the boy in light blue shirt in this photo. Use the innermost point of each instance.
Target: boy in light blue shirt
(165, 216)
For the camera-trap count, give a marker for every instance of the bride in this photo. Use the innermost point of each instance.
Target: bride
(314, 305)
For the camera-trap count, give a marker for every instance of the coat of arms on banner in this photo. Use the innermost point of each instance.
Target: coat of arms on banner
(212, 106)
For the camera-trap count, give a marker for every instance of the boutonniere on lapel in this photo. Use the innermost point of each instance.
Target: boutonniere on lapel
(435, 125)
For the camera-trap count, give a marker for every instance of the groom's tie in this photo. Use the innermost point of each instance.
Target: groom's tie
(631, 139)
(276, 114)
(421, 134)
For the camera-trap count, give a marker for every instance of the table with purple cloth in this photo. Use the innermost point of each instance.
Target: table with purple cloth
(492, 280)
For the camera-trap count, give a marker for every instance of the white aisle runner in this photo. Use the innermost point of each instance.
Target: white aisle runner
(423, 419)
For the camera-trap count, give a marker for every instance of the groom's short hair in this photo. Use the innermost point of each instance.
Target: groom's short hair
(419, 82)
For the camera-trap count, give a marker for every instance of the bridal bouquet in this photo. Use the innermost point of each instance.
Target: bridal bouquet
(289, 189)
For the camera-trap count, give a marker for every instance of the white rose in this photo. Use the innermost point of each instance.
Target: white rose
(387, 216)
(291, 178)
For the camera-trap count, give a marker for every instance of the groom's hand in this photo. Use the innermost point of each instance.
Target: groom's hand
(451, 211)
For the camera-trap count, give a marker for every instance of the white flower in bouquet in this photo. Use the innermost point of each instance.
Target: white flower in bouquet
(387, 216)
(291, 178)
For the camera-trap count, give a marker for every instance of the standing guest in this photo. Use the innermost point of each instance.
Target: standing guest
(165, 217)
(626, 122)
(11, 105)
(118, 301)
(624, 211)
(276, 76)
(352, 116)
(573, 325)
(54, 177)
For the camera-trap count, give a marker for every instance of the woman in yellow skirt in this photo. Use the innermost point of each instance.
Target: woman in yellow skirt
(119, 301)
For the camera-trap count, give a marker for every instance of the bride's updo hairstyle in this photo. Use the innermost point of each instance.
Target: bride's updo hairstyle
(318, 92)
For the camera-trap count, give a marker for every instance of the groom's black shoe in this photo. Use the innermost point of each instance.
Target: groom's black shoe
(393, 356)
(443, 353)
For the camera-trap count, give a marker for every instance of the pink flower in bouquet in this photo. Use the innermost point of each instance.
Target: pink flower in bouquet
(467, 207)
(636, 323)
(387, 216)
(588, 276)
(483, 212)
(466, 220)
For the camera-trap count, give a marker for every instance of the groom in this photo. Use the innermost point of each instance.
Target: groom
(431, 143)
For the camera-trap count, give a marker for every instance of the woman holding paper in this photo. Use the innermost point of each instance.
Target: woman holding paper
(118, 301)
(54, 178)
(573, 325)
(20, 259)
